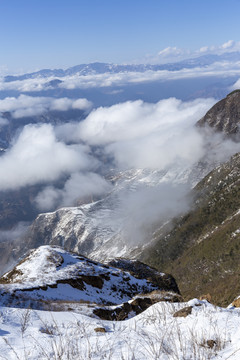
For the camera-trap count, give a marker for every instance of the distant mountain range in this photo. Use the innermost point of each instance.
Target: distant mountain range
(101, 68)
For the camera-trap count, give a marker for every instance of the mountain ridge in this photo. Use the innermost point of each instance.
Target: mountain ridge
(224, 116)
(50, 277)
(101, 67)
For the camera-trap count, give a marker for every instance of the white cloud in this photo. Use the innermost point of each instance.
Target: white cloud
(143, 135)
(35, 84)
(81, 185)
(67, 132)
(174, 54)
(62, 104)
(228, 45)
(15, 233)
(236, 85)
(82, 104)
(3, 121)
(37, 156)
(120, 79)
(78, 186)
(48, 198)
(203, 49)
(25, 105)
(138, 212)
(133, 134)
(160, 136)
(170, 52)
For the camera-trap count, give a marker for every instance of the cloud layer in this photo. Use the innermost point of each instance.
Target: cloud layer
(160, 138)
(173, 53)
(78, 186)
(131, 135)
(25, 105)
(37, 156)
(169, 54)
(142, 135)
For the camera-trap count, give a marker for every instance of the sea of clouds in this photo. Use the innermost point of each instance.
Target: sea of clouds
(133, 134)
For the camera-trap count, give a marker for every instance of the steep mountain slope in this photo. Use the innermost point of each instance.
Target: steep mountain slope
(224, 116)
(104, 229)
(203, 250)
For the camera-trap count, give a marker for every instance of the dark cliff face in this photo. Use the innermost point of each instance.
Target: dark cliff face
(224, 116)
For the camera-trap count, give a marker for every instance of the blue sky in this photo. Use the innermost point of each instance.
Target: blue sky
(61, 33)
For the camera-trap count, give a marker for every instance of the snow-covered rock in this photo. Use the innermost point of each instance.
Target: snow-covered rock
(51, 273)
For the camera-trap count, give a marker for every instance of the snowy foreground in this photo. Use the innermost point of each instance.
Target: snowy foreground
(209, 332)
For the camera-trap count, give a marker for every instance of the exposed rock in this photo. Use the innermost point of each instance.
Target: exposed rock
(224, 116)
(95, 281)
(122, 312)
(183, 312)
(100, 329)
(206, 297)
(236, 302)
(142, 271)
(211, 343)
(138, 305)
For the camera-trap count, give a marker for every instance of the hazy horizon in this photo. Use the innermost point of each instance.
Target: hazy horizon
(60, 34)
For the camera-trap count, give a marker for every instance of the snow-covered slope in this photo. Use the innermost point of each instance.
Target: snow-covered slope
(51, 273)
(101, 68)
(118, 224)
(195, 330)
(208, 332)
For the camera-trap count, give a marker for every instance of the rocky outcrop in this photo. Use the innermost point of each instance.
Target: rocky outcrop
(136, 306)
(51, 273)
(143, 271)
(224, 116)
(236, 302)
(183, 312)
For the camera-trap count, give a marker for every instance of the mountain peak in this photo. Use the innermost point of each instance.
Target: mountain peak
(224, 116)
